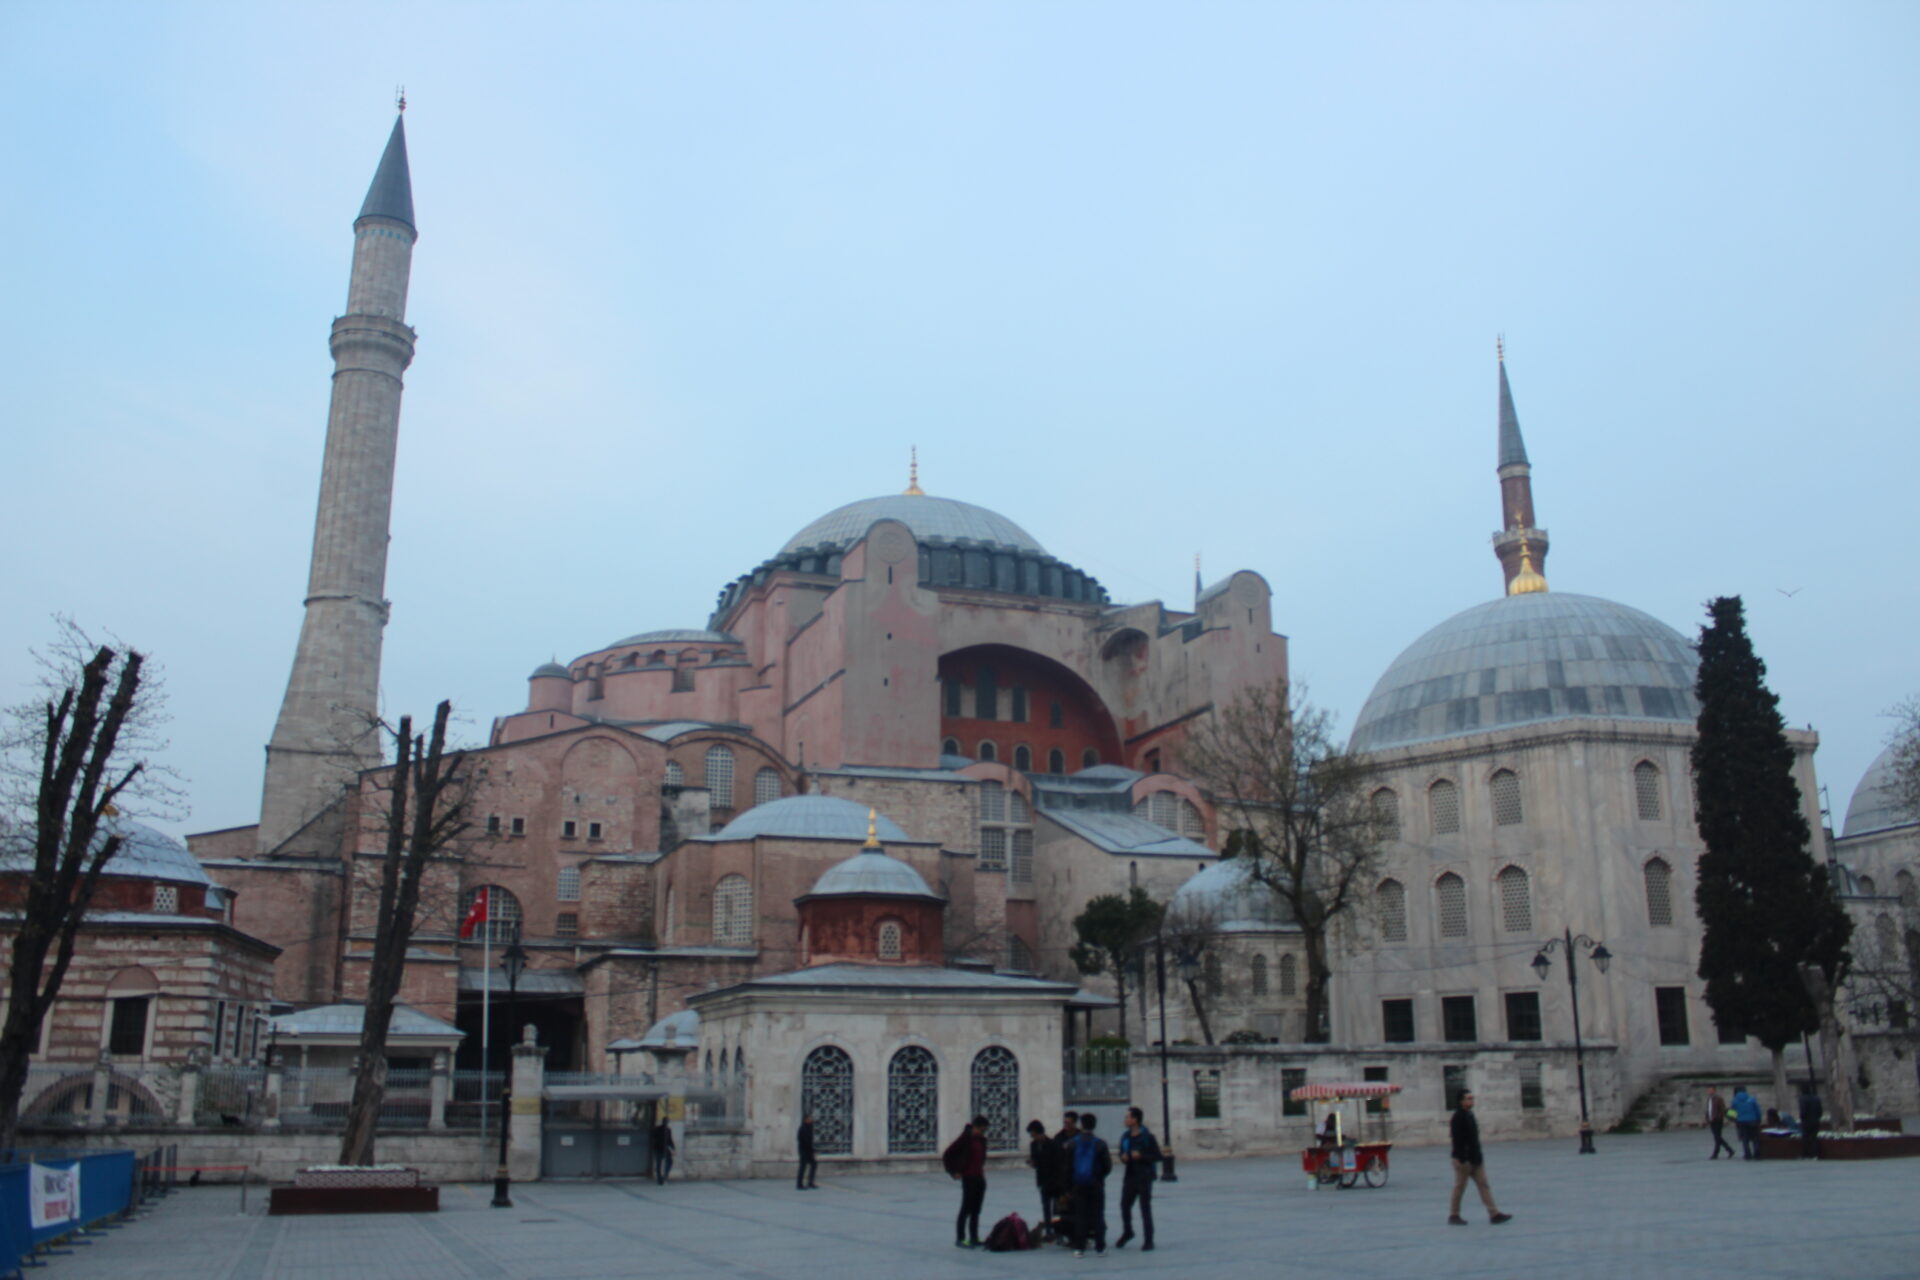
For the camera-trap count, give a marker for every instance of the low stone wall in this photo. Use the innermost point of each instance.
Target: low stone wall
(1252, 1086)
(273, 1157)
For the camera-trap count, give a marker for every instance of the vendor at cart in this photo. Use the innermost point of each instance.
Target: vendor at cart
(1330, 1128)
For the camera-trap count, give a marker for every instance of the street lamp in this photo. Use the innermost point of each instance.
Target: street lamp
(1166, 1113)
(513, 959)
(1601, 959)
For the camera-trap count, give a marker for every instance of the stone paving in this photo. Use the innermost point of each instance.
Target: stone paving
(1647, 1206)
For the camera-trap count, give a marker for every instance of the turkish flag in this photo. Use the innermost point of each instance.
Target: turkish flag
(476, 914)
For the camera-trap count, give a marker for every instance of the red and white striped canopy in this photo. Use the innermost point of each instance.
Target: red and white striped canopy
(1334, 1092)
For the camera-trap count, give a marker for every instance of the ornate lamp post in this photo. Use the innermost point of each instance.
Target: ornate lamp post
(513, 959)
(1601, 959)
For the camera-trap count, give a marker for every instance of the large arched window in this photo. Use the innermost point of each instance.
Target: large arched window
(720, 776)
(826, 1094)
(1259, 976)
(1289, 975)
(1516, 900)
(1646, 790)
(1659, 878)
(733, 912)
(568, 887)
(1443, 807)
(766, 786)
(1450, 892)
(996, 1095)
(502, 912)
(1386, 813)
(676, 776)
(1504, 788)
(1390, 900)
(913, 1102)
(1163, 810)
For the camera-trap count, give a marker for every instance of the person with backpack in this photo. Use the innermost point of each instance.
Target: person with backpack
(1140, 1158)
(966, 1160)
(1045, 1158)
(1090, 1162)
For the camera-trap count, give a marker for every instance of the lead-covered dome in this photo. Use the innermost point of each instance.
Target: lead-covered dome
(144, 854)
(1526, 659)
(1225, 898)
(810, 818)
(872, 873)
(943, 518)
(1875, 806)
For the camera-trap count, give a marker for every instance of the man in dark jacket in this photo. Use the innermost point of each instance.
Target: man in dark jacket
(662, 1150)
(809, 1167)
(1469, 1162)
(1811, 1114)
(1043, 1153)
(966, 1160)
(1139, 1164)
(1088, 1164)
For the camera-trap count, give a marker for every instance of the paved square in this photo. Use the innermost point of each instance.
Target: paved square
(1648, 1205)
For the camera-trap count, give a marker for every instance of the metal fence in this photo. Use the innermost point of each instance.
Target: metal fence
(1096, 1075)
(318, 1097)
(473, 1100)
(716, 1102)
(231, 1094)
(56, 1096)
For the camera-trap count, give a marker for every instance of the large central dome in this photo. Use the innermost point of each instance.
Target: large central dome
(1527, 658)
(943, 518)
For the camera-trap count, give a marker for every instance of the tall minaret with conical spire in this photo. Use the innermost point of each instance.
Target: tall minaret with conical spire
(1521, 545)
(326, 732)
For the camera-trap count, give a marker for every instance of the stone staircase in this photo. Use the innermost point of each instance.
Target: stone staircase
(1676, 1102)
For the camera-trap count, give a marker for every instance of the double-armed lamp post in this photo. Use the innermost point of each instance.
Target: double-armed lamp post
(1542, 965)
(513, 960)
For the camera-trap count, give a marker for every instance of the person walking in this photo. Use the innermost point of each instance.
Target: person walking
(1811, 1113)
(966, 1160)
(1470, 1163)
(1045, 1158)
(1088, 1167)
(1717, 1123)
(663, 1150)
(1140, 1163)
(1746, 1121)
(809, 1166)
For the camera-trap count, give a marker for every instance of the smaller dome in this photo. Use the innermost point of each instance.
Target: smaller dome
(681, 1030)
(872, 873)
(678, 636)
(1875, 806)
(144, 854)
(1226, 898)
(810, 818)
(547, 669)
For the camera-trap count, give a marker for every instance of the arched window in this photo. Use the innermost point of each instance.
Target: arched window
(568, 888)
(502, 914)
(1867, 887)
(1089, 758)
(1390, 900)
(1023, 759)
(720, 776)
(1056, 761)
(1516, 900)
(950, 747)
(1289, 975)
(1386, 813)
(1659, 877)
(1163, 810)
(1018, 810)
(766, 786)
(988, 751)
(888, 945)
(826, 1094)
(1192, 825)
(1903, 885)
(913, 1102)
(1443, 805)
(1259, 976)
(1505, 788)
(996, 1095)
(1646, 790)
(1451, 893)
(993, 802)
(1019, 954)
(676, 776)
(733, 912)
(1216, 981)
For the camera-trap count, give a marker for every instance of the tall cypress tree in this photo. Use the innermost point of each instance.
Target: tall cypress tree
(1765, 904)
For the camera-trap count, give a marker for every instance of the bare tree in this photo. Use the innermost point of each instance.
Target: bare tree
(427, 802)
(1883, 986)
(1905, 742)
(1190, 931)
(73, 759)
(1296, 808)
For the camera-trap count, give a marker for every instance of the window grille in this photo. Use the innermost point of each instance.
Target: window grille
(593, 831)
(1259, 978)
(1443, 803)
(1457, 1021)
(993, 849)
(1646, 790)
(720, 776)
(127, 1030)
(676, 775)
(1289, 975)
(1206, 1094)
(766, 786)
(1506, 798)
(1523, 1015)
(568, 889)
(996, 1095)
(1023, 759)
(1453, 1083)
(1019, 954)
(1163, 810)
(988, 752)
(1533, 1097)
(1192, 825)
(519, 826)
(1292, 1078)
(569, 829)
(493, 824)
(993, 802)
(1386, 813)
(567, 924)
(1396, 1021)
(1670, 1007)
(166, 899)
(1516, 901)
(503, 915)
(1018, 810)
(1392, 899)
(1023, 857)
(913, 1102)
(733, 912)
(1452, 893)
(889, 944)
(826, 1094)
(1659, 878)
(1374, 1075)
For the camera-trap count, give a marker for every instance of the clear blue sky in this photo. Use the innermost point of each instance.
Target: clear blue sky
(1150, 279)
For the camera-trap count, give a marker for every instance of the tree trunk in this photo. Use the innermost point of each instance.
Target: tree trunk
(1120, 985)
(1200, 1010)
(1833, 1055)
(1319, 974)
(363, 1114)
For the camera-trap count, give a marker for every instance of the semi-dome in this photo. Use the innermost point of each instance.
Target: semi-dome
(871, 873)
(144, 854)
(944, 518)
(1531, 658)
(1875, 806)
(810, 818)
(1224, 897)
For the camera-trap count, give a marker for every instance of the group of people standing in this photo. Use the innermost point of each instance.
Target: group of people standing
(1744, 1111)
(1071, 1168)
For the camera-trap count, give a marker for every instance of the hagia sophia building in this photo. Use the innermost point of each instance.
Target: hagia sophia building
(679, 819)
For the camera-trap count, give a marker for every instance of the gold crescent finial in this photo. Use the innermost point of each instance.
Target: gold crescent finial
(1500, 347)
(400, 98)
(913, 474)
(873, 829)
(1529, 579)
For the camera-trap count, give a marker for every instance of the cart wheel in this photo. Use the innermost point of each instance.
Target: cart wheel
(1374, 1171)
(1349, 1177)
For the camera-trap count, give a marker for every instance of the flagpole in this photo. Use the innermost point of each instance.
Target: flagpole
(486, 992)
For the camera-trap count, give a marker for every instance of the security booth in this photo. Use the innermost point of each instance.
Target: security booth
(599, 1130)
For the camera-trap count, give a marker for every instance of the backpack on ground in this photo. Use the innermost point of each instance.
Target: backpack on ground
(1009, 1234)
(1086, 1161)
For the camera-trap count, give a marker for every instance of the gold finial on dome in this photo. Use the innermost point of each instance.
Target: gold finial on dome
(1528, 580)
(873, 829)
(913, 474)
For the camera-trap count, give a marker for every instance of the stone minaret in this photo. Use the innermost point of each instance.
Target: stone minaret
(1521, 545)
(325, 733)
